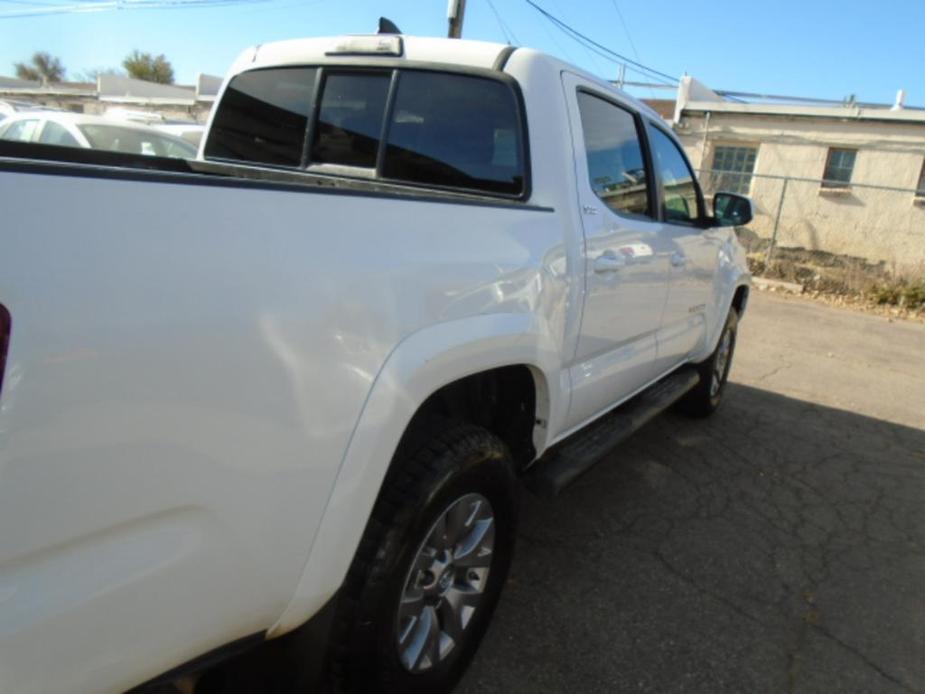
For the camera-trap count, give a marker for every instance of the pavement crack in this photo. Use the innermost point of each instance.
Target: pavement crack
(773, 372)
(705, 591)
(865, 659)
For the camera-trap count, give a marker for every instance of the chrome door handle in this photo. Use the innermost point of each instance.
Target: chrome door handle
(608, 262)
(678, 260)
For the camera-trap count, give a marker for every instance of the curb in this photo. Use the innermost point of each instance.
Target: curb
(770, 285)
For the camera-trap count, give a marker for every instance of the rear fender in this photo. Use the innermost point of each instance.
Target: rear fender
(419, 366)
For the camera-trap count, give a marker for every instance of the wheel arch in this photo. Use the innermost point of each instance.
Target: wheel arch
(740, 298)
(419, 374)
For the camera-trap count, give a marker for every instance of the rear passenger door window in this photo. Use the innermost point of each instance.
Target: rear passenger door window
(679, 195)
(262, 117)
(616, 166)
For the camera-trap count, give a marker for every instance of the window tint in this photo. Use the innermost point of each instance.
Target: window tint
(350, 119)
(457, 131)
(679, 188)
(838, 167)
(733, 168)
(615, 163)
(21, 130)
(55, 134)
(262, 117)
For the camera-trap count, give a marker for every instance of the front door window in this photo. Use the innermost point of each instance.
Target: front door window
(680, 202)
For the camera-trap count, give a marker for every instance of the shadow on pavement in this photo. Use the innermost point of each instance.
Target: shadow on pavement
(778, 546)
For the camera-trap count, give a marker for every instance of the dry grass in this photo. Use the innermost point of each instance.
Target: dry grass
(855, 279)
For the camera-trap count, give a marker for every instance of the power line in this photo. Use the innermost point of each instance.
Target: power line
(549, 32)
(505, 29)
(625, 29)
(507, 37)
(600, 48)
(593, 51)
(30, 3)
(629, 38)
(552, 37)
(58, 9)
(83, 7)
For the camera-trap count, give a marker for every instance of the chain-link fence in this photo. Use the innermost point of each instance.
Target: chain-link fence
(822, 232)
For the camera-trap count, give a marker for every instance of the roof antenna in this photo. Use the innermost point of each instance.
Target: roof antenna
(387, 26)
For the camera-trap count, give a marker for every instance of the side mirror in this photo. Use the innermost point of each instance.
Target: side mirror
(731, 210)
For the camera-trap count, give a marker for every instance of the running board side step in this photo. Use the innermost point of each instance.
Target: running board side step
(577, 454)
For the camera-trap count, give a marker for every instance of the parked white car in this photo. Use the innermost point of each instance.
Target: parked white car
(191, 132)
(188, 130)
(96, 132)
(281, 397)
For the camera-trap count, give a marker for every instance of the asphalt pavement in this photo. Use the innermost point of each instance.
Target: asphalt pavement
(778, 546)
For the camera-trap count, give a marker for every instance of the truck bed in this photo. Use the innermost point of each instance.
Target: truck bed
(196, 348)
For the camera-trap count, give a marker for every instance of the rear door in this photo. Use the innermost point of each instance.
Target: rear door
(625, 257)
(693, 251)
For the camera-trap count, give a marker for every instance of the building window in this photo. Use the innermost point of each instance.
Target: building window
(733, 168)
(920, 189)
(838, 168)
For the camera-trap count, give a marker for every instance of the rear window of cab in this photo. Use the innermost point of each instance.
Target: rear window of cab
(428, 128)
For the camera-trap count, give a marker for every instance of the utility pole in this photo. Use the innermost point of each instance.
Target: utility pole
(455, 11)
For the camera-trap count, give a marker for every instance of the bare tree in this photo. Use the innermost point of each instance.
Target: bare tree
(91, 74)
(144, 66)
(44, 68)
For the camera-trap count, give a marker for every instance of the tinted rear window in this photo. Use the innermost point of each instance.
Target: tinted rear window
(262, 117)
(444, 129)
(350, 119)
(455, 131)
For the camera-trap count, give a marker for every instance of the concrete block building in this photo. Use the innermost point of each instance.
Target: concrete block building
(844, 178)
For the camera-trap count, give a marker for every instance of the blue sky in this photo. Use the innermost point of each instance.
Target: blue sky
(801, 48)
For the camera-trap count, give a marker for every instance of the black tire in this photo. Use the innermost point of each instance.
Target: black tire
(457, 464)
(705, 398)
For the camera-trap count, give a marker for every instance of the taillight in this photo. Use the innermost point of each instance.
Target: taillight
(4, 340)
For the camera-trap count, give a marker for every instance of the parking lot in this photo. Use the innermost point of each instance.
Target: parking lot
(777, 547)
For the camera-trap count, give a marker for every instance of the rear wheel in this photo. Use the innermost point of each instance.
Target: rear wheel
(430, 567)
(705, 397)
(445, 584)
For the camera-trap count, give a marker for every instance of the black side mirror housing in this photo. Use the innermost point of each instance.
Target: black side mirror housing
(732, 210)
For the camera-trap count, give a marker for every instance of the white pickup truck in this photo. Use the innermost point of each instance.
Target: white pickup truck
(292, 387)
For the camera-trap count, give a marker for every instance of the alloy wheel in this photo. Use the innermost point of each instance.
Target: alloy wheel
(445, 583)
